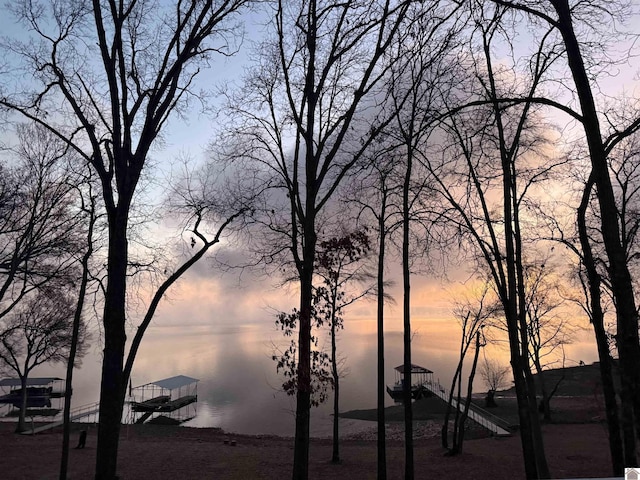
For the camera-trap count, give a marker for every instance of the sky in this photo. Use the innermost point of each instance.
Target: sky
(220, 327)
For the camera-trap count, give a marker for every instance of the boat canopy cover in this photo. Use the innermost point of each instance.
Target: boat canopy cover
(174, 382)
(414, 369)
(15, 382)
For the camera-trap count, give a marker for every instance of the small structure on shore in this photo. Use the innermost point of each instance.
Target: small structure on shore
(170, 400)
(420, 376)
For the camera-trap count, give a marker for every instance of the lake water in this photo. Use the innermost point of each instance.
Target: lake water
(226, 340)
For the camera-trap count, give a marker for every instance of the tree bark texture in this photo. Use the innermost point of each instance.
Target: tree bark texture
(21, 427)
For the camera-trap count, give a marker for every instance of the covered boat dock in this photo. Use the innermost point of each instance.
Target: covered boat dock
(40, 391)
(420, 376)
(172, 396)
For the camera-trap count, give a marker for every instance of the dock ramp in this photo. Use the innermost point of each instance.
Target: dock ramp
(494, 424)
(75, 414)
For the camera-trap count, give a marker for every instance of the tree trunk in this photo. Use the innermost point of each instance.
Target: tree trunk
(456, 420)
(303, 395)
(546, 403)
(406, 280)
(68, 390)
(490, 399)
(512, 296)
(335, 455)
(597, 320)
(621, 285)
(23, 405)
(112, 387)
(381, 444)
(542, 467)
(458, 447)
(445, 425)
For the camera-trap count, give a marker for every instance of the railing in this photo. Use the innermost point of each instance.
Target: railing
(475, 413)
(76, 413)
(84, 410)
(490, 416)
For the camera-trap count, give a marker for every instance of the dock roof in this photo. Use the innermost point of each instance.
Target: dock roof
(37, 381)
(414, 369)
(172, 383)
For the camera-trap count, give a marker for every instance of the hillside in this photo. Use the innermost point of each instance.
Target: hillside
(578, 381)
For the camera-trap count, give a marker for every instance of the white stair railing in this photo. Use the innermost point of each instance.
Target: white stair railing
(477, 417)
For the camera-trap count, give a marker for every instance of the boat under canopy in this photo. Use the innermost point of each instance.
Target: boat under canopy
(167, 396)
(419, 377)
(40, 391)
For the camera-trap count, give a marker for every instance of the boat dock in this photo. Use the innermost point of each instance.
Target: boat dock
(167, 396)
(173, 398)
(422, 384)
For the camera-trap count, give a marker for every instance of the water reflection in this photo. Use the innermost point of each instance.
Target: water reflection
(239, 389)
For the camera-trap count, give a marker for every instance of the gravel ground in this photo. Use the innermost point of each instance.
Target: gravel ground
(168, 452)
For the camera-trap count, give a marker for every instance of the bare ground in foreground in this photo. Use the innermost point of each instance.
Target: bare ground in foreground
(169, 452)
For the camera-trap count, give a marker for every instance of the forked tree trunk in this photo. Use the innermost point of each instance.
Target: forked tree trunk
(626, 314)
(597, 320)
(444, 434)
(457, 448)
(512, 295)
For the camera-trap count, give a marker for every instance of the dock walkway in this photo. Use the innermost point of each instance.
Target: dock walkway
(486, 419)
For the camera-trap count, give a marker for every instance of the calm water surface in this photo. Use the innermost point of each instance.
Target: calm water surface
(239, 389)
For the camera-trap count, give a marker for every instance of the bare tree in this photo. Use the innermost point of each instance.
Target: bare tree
(36, 332)
(38, 228)
(488, 203)
(375, 196)
(495, 376)
(339, 264)
(88, 200)
(549, 329)
(107, 78)
(564, 17)
(422, 68)
(471, 314)
(300, 121)
(592, 300)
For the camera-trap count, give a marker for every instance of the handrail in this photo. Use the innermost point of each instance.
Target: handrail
(88, 409)
(476, 416)
(493, 417)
